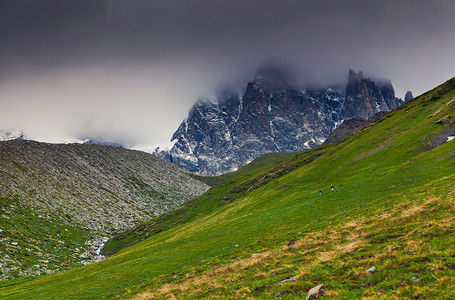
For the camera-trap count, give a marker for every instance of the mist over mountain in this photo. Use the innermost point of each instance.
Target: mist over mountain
(132, 71)
(275, 113)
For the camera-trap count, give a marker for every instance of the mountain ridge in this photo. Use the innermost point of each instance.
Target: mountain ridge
(274, 114)
(351, 126)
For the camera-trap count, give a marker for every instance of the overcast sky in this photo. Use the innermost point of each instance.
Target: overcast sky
(130, 70)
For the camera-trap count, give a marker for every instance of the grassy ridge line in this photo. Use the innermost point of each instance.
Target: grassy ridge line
(382, 161)
(258, 163)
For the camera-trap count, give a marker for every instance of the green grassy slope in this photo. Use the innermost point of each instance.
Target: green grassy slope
(261, 161)
(392, 207)
(236, 185)
(40, 245)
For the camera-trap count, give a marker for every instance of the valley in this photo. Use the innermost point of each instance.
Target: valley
(265, 232)
(260, 149)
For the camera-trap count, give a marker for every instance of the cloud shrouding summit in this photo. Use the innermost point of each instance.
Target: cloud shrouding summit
(130, 70)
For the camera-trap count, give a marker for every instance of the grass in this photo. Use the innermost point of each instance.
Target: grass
(400, 245)
(29, 244)
(392, 208)
(258, 163)
(240, 184)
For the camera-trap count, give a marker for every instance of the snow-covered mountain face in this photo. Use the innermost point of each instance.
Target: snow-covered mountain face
(16, 134)
(275, 114)
(7, 135)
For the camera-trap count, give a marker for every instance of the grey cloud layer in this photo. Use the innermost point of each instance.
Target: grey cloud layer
(151, 51)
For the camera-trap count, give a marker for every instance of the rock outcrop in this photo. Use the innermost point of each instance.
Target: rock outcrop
(365, 97)
(350, 126)
(347, 128)
(408, 96)
(316, 292)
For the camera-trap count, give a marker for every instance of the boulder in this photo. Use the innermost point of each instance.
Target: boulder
(371, 270)
(292, 242)
(315, 292)
(289, 279)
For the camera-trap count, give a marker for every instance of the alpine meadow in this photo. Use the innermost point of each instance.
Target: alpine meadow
(264, 231)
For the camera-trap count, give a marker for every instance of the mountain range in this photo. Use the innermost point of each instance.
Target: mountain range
(275, 113)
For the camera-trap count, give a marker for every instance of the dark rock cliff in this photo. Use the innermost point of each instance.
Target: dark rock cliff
(365, 97)
(347, 128)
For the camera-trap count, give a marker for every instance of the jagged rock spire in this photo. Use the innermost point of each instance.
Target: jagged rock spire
(408, 96)
(365, 97)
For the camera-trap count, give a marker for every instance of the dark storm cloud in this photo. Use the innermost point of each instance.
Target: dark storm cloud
(53, 32)
(159, 55)
(313, 34)
(42, 34)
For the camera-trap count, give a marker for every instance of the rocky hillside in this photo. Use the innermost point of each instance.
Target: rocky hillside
(56, 197)
(103, 188)
(350, 126)
(274, 114)
(408, 96)
(347, 128)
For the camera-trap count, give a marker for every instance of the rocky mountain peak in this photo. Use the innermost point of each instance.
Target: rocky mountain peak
(354, 76)
(274, 114)
(365, 97)
(228, 93)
